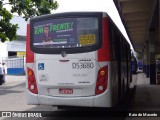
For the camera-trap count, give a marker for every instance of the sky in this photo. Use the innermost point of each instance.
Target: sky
(92, 5)
(21, 23)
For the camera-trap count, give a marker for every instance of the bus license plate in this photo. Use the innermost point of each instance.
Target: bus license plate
(65, 91)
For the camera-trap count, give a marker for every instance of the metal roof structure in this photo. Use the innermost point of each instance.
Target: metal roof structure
(138, 17)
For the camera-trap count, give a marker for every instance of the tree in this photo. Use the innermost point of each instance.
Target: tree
(25, 8)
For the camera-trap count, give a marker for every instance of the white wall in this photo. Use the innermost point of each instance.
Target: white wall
(16, 46)
(3, 51)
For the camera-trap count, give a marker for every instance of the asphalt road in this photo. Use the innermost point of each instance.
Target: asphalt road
(12, 98)
(140, 98)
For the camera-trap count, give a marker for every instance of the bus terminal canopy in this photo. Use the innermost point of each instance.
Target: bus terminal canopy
(140, 17)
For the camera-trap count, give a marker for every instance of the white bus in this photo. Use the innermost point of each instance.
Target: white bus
(76, 59)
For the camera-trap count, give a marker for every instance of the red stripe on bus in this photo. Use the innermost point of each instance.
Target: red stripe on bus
(103, 52)
(29, 53)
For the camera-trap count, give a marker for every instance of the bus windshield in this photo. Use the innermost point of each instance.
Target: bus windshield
(65, 33)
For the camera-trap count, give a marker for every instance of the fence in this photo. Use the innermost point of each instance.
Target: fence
(15, 65)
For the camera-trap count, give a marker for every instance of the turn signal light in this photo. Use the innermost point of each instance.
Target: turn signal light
(102, 80)
(30, 73)
(102, 72)
(32, 86)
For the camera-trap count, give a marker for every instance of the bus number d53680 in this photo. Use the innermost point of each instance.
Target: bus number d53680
(83, 65)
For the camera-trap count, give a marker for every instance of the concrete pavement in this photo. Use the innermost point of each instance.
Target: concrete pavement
(142, 79)
(12, 80)
(146, 97)
(139, 79)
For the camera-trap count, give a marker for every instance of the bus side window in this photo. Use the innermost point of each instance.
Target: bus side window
(118, 47)
(122, 49)
(113, 44)
(115, 41)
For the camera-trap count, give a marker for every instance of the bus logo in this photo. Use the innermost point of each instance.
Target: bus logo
(40, 66)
